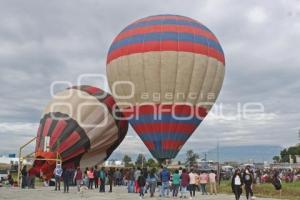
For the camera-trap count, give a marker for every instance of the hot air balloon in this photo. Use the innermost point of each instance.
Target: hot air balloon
(83, 125)
(165, 73)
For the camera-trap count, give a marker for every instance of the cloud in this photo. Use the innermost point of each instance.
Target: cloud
(43, 42)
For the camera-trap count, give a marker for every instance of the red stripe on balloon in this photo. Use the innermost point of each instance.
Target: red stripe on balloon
(150, 145)
(91, 90)
(47, 126)
(171, 144)
(70, 141)
(166, 28)
(165, 46)
(74, 154)
(60, 126)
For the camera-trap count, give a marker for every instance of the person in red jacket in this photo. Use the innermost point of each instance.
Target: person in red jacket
(78, 177)
(185, 180)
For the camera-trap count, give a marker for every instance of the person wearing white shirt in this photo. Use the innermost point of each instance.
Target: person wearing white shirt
(236, 184)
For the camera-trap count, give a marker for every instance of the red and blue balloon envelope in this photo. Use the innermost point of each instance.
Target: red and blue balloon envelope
(165, 73)
(83, 125)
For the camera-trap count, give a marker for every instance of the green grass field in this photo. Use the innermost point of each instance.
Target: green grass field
(289, 190)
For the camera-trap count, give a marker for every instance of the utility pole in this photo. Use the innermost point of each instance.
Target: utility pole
(218, 158)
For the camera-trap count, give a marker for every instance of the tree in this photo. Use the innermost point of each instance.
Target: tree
(140, 160)
(152, 163)
(292, 151)
(276, 159)
(127, 160)
(191, 158)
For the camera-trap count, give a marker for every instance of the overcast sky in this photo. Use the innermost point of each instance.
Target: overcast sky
(46, 41)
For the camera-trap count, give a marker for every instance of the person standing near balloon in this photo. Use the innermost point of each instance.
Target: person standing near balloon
(203, 182)
(175, 182)
(90, 174)
(57, 175)
(192, 184)
(67, 173)
(184, 182)
(165, 186)
(78, 178)
(212, 182)
(102, 179)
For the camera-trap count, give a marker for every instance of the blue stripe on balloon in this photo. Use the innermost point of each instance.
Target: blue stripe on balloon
(163, 36)
(164, 118)
(166, 21)
(164, 136)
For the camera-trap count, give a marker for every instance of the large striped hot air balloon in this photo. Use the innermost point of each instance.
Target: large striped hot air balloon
(165, 72)
(83, 125)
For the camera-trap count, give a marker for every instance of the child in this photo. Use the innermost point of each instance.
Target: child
(141, 184)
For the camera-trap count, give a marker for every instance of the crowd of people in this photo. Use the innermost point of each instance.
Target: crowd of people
(161, 182)
(178, 182)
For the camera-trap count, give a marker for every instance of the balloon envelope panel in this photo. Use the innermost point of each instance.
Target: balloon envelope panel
(82, 125)
(165, 65)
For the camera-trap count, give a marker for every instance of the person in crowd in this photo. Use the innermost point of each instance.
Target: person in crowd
(90, 174)
(152, 181)
(57, 175)
(24, 176)
(96, 179)
(165, 178)
(110, 178)
(192, 183)
(102, 179)
(32, 172)
(184, 182)
(175, 182)
(237, 183)
(145, 174)
(10, 180)
(141, 183)
(212, 182)
(85, 177)
(277, 183)
(66, 175)
(248, 181)
(131, 180)
(203, 182)
(78, 178)
(117, 177)
(159, 180)
(137, 173)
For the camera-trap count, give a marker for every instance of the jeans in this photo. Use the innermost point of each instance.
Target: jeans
(164, 188)
(203, 188)
(141, 191)
(175, 190)
(78, 183)
(91, 183)
(102, 185)
(24, 181)
(152, 186)
(183, 191)
(248, 189)
(237, 191)
(57, 182)
(192, 188)
(66, 185)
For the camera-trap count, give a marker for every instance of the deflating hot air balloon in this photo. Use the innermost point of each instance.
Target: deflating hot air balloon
(82, 124)
(165, 73)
